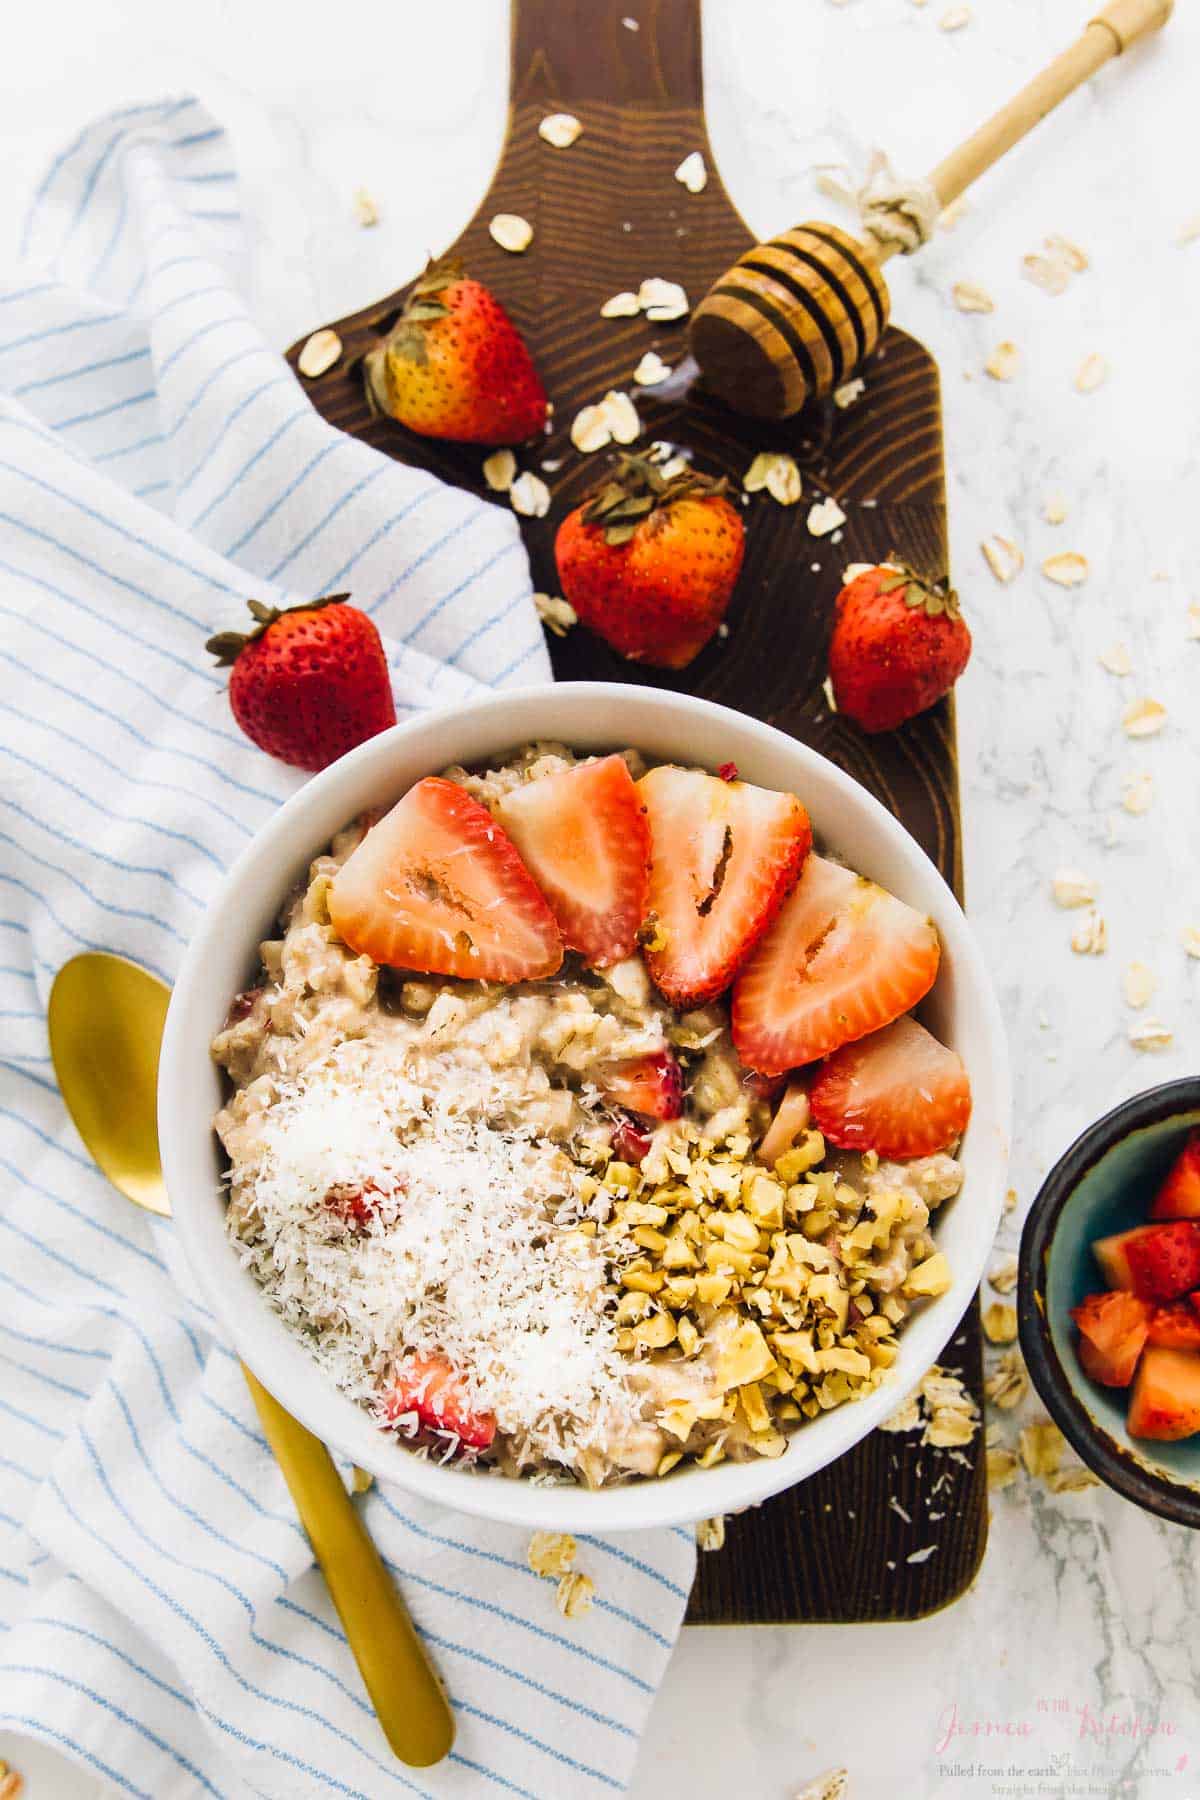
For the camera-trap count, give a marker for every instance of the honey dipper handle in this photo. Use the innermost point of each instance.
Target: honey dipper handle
(1106, 36)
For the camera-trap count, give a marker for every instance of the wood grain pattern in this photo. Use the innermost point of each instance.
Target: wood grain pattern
(606, 213)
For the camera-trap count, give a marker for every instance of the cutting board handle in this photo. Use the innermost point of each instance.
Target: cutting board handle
(567, 52)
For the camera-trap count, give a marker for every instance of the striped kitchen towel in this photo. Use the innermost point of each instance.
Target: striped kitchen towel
(158, 462)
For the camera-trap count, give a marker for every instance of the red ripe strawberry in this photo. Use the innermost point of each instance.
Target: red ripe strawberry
(650, 564)
(842, 959)
(723, 856)
(308, 683)
(1165, 1403)
(438, 887)
(630, 1141)
(1179, 1195)
(455, 366)
(899, 643)
(651, 1085)
(898, 1091)
(431, 1388)
(583, 836)
(1112, 1335)
(1156, 1262)
(1176, 1325)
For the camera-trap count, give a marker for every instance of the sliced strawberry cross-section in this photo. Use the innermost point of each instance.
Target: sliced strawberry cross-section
(1165, 1403)
(651, 1085)
(437, 886)
(430, 1389)
(1176, 1325)
(723, 857)
(843, 958)
(583, 836)
(898, 1091)
(1156, 1262)
(1179, 1195)
(1112, 1334)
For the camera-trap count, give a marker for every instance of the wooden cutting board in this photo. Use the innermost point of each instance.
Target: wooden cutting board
(606, 213)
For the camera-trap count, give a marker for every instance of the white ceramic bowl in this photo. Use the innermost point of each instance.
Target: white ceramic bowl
(222, 959)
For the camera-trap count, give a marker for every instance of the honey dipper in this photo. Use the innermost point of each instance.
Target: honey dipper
(794, 317)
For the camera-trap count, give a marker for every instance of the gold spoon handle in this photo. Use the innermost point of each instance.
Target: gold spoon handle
(408, 1698)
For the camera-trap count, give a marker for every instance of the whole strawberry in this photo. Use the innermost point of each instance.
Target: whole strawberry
(309, 683)
(899, 643)
(455, 366)
(650, 563)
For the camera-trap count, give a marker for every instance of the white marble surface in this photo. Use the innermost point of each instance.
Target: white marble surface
(1082, 1601)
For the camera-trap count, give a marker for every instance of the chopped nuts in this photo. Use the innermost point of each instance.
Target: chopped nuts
(1067, 569)
(1002, 364)
(1090, 938)
(1042, 1445)
(621, 306)
(651, 370)
(692, 173)
(1003, 557)
(1150, 1034)
(969, 297)
(1000, 1322)
(662, 300)
(574, 1594)
(1091, 373)
(530, 496)
(319, 354)
(551, 1553)
(560, 129)
(1138, 984)
(1117, 660)
(1142, 718)
(1071, 888)
(499, 470)
(824, 517)
(556, 614)
(710, 1533)
(511, 232)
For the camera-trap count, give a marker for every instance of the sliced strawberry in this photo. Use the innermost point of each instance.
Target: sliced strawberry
(842, 959)
(650, 1085)
(1112, 1335)
(583, 836)
(723, 856)
(1176, 1325)
(1165, 1403)
(1179, 1195)
(898, 1091)
(1156, 1262)
(431, 1389)
(630, 1141)
(791, 1117)
(438, 887)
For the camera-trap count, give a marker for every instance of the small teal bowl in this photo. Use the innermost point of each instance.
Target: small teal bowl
(1104, 1183)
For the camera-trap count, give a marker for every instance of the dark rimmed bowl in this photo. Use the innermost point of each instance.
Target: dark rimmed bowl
(1104, 1183)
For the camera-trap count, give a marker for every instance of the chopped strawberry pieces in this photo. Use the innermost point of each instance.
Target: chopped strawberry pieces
(1112, 1335)
(728, 771)
(898, 1092)
(583, 836)
(1156, 1262)
(1176, 1325)
(651, 1085)
(241, 1006)
(437, 886)
(429, 1390)
(842, 959)
(630, 1141)
(1179, 1195)
(1165, 1403)
(723, 857)
(357, 1204)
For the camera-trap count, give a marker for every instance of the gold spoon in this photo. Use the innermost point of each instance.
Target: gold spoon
(106, 1020)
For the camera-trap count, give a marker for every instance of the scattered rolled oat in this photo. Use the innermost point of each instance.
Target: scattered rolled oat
(1091, 373)
(1010, 1199)
(1064, 251)
(1193, 624)
(692, 173)
(1054, 509)
(574, 1595)
(710, 1533)
(590, 430)
(921, 1556)
(530, 496)
(833, 1785)
(12, 1785)
(365, 209)
(1001, 1469)
(824, 517)
(1188, 231)
(1071, 1480)
(1007, 1384)
(560, 129)
(1137, 984)
(499, 470)
(1090, 938)
(1004, 1276)
(1143, 718)
(1151, 1034)
(662, 300)
(1137, 793)
(1116, 659)
(849, 392)
(954, 18)
(621, 306)
(511, 232)
(556, 614)
(360, 1481)
(651, 370)
(551, 1553)
(1190, 938)
(1071, 888)
(906, 1417)
(1002, 364)
(1047, 272)
(614, 419)
(1000, 1322)
(631, 24)
(319, 354)
(777, 473)
(951, 1415)
(1004, 558)
(1042, 1446)
(1067, 569)
(969, 297)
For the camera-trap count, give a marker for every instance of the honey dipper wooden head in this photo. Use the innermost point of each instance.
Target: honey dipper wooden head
(794, 317)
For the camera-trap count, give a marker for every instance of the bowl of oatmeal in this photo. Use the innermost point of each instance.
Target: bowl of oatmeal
(586, 1107)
